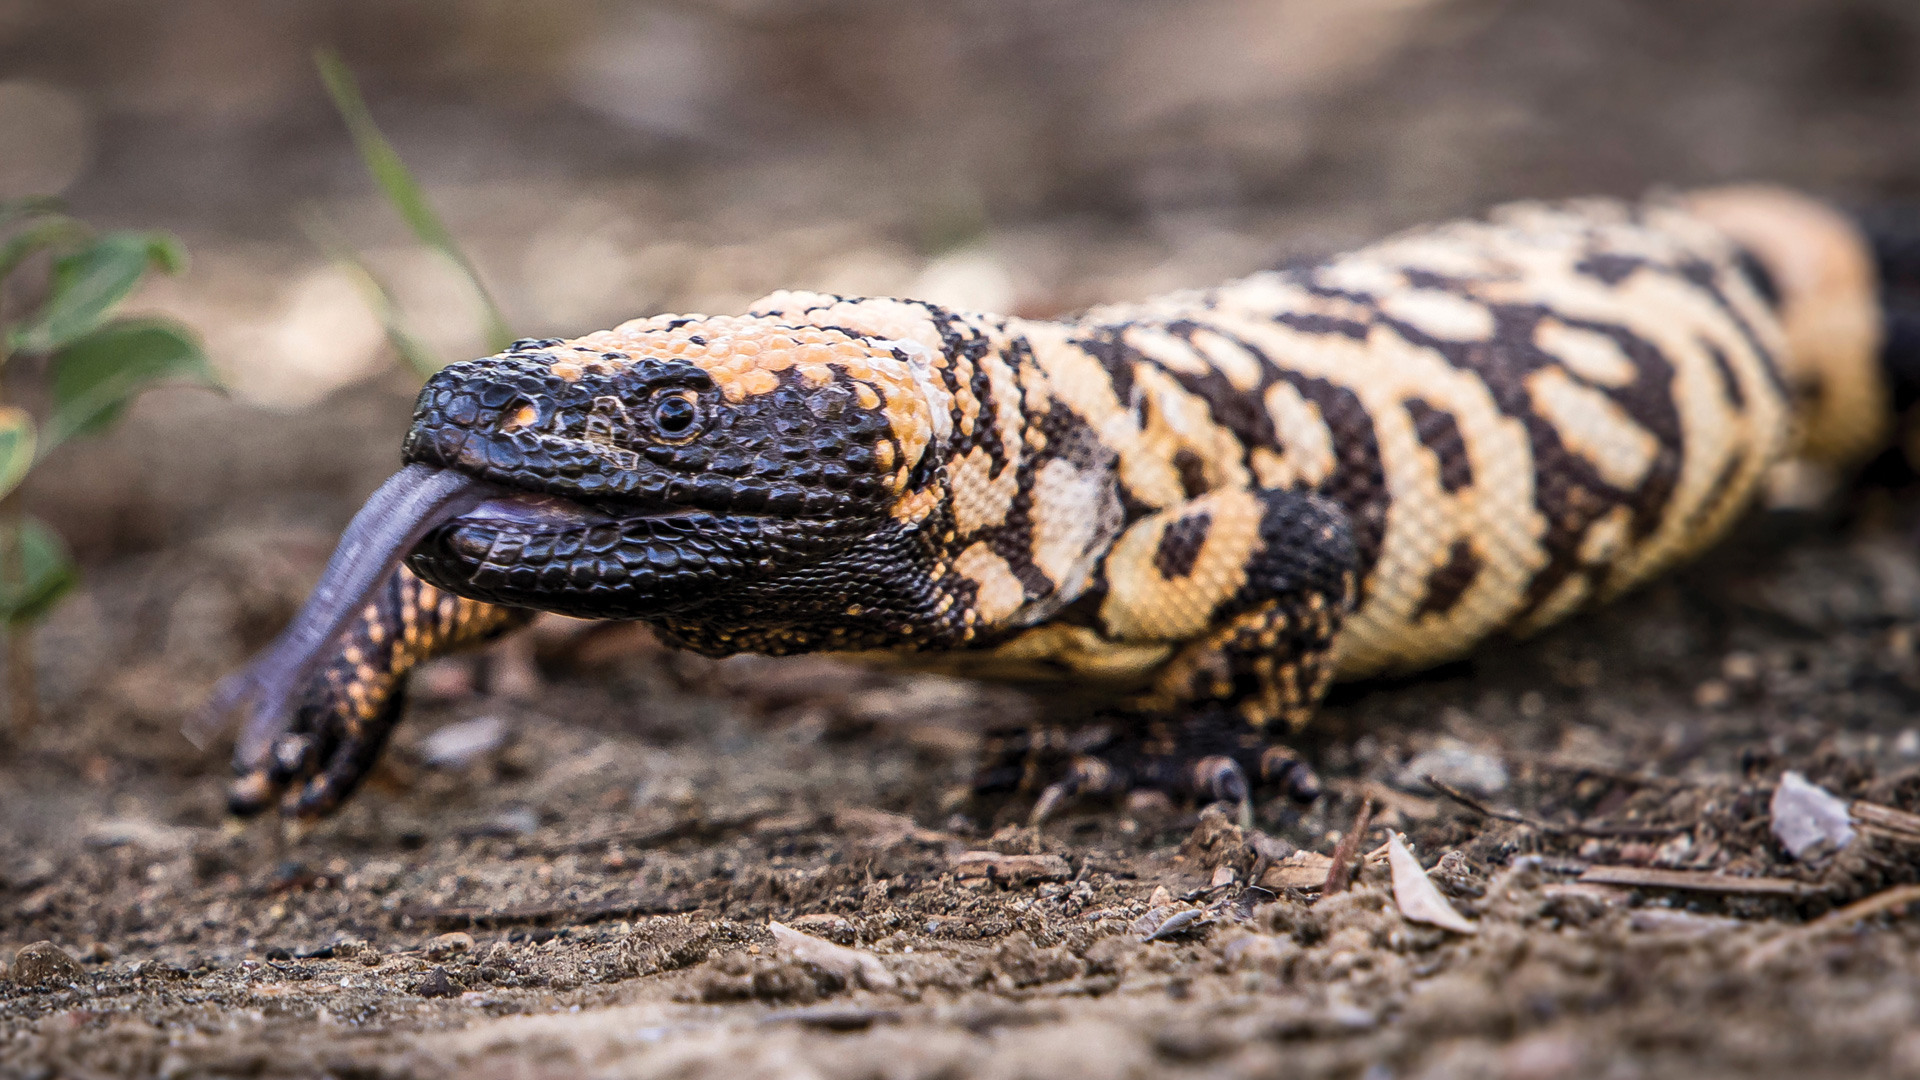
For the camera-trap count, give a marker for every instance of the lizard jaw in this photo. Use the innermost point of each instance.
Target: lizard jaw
(594, 559)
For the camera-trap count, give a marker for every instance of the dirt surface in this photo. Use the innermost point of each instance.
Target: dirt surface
(575, 858)
(591, 891)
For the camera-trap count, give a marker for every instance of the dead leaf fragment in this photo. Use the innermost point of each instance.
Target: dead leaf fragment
(854, 965)
(1300, 870)
(1011, 869)
(1417, 897)
(1178, 923)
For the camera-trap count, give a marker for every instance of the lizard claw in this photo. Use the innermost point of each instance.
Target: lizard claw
(1086, 775)
(309, 771)
(1281, 767)
(1221, 779)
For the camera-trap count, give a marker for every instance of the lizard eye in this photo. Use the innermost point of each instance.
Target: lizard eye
(675, 414)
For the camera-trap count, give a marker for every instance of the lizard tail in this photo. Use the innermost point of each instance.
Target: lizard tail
(1823, 272)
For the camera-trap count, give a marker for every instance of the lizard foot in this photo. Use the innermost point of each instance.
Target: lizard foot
(1207, 756)
(311, 769)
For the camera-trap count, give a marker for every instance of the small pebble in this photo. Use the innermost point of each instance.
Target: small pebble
(1454, 764)
(1807, 817)
(43, 963)
(450, 944)
(456, 746)
(1907, 743)
(436, 984)
(512, 822)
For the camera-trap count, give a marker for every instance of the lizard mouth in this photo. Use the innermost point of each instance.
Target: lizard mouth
(531, 513)
(604, 559)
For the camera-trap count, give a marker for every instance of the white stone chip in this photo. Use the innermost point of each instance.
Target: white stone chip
(1469, 768)
(457, 745)
(1806, 816)
(1417, 897)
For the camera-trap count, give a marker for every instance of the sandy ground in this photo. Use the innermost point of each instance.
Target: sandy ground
(587, 885)
(572, 862)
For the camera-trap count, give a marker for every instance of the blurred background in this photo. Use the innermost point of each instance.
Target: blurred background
(603, 159)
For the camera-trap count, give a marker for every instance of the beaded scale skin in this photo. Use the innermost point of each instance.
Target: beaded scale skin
(1206, 507)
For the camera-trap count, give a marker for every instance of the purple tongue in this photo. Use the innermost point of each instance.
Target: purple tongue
(408, 506)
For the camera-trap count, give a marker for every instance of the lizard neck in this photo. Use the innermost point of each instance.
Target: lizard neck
(1018, 497)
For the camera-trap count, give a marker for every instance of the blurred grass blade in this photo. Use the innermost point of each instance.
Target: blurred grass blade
(17, 438)
(396, 181)
(94, 377)
(12, 210)
(89, 282)
(412, 350)
(47, 572)
(57, 231)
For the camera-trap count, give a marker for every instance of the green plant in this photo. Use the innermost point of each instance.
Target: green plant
(397, 183)
(64, 345)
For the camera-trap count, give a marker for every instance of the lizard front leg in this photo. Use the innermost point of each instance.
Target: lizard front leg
(1251, 587)
(352, 703)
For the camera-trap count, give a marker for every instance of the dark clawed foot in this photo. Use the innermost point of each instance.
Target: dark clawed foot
(311, 770)
(1205, 758)
(251, 794)
(1219, 778)
(1283, 769)
(1086, 776)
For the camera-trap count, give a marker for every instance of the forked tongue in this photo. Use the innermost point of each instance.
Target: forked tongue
(407, 507)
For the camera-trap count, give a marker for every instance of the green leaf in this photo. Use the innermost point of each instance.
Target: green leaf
(55, 232)
(414, 352)
(397, 183)
(88, 283)
(35, 571)
(16, 447)
(96, 376)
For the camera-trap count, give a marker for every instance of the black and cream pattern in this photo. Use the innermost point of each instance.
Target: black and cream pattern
(1220, 499)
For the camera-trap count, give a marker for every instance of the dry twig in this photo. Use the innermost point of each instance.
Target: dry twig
(1860, 910)
(1886, 821)
(1649, 877)
(1545, 826)
(1340, 874)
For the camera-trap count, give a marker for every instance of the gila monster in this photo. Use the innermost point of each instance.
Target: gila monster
(1207, 506)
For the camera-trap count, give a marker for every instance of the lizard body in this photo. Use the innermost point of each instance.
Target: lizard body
(1212, 504)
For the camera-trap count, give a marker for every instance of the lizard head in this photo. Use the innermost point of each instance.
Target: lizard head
(643, 471)
(663, 470)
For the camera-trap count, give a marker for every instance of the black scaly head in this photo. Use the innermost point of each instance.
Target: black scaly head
(666, 489)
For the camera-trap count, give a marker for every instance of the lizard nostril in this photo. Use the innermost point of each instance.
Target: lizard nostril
(523, 413)
(523, 418)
